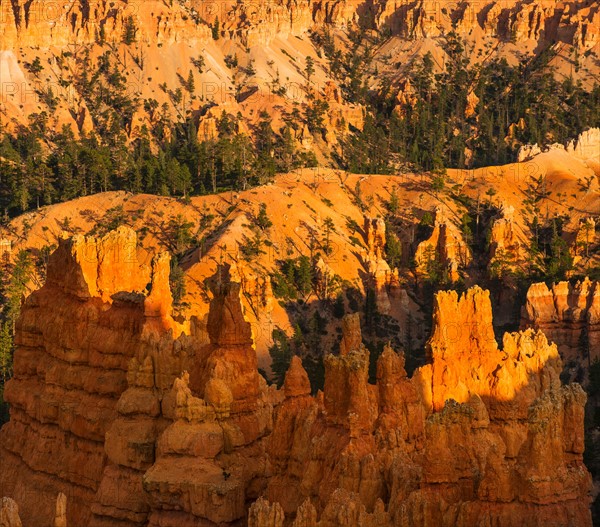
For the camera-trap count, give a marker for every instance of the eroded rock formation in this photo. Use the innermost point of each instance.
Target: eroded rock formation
(446, 247)
(508, 243)
(258, 23)
(9, 514)
(103, 410)
(445, 447)
(179, 34)
(74, 340)
(380, 278)
(586, 147)
(569, 314)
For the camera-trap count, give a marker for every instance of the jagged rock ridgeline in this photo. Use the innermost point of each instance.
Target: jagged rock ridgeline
(104, 411)
(27, 22)
(505, 19)
(445, 447)
(586, 147)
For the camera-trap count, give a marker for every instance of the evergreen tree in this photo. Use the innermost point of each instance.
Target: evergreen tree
(304, 278)
(216, 33)
(262, 220)
(190, 83)
(177, 281)
(281, 356)
(129, 31)
(309, 69)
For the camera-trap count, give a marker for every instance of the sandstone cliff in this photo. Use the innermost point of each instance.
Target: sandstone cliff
(569, 314)
(165, 38)
(139, 421)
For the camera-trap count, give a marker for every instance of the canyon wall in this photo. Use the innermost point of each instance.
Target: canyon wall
(75, 339)
(30, 23)
(156, 45)
(141, 421)
(569, 314)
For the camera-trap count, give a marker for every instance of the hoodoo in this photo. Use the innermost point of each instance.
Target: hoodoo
(480, 435)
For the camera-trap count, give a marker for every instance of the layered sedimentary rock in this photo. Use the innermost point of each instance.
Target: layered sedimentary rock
(101, 405)
(380, 278)
(569, 314)
(446, 247)
(480, 436)
(74, 341)
(189, 448)
(142, 424)
(507, 242)
(259, 22)
(507, 20)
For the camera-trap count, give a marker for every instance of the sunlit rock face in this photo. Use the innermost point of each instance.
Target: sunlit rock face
(480, 435)
(446, 247)
(569, 314)
(122, 416)
(163, 40)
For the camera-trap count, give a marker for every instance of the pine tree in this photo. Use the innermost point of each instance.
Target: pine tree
(394, 202)
(304, 277)
(190, 83)
(393, 249)
(130, 31)
(262, 220)
(216, 29)
(281, 355)
(329, 227)
(6, 352)
(177, 281)
(17, 287)
(309, 69)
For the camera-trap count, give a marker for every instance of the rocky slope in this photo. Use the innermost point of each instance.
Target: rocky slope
(299, 205)
(139, 420)
(165, 40)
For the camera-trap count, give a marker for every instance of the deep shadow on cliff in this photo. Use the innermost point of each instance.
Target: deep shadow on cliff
(141, 421)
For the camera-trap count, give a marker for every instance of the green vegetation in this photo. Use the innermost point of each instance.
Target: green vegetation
(129, 31)
(294, 279)
(304, 342)
(432, 129)
(14, 278)
(182, 166)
